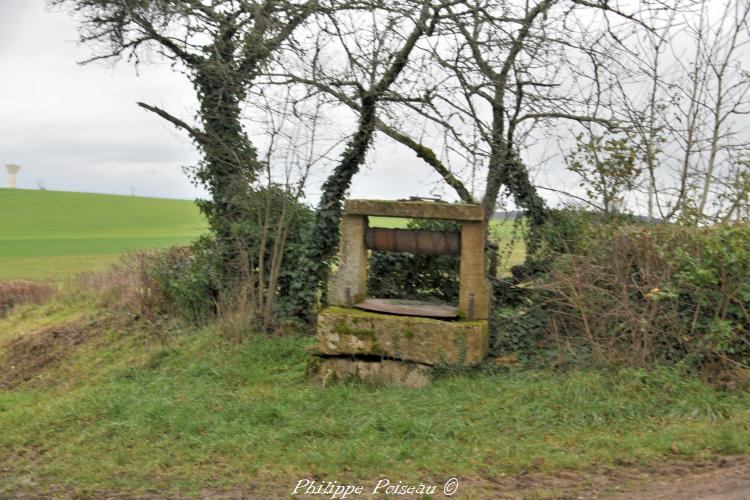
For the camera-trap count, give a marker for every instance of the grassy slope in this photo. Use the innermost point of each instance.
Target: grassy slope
(48, 234)
(185, 409)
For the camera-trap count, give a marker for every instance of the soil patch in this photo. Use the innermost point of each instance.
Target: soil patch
(725, 479)
(25, 356)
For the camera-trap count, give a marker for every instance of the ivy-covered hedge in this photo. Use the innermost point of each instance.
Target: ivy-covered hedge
(232, 276)
(633, 293)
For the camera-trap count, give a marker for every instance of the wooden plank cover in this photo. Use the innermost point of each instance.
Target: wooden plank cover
(409, 308)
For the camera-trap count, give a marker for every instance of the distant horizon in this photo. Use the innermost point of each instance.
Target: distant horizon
(45, 190)
(497, 214)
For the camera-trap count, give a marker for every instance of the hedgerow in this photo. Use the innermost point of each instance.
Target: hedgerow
(634, 293)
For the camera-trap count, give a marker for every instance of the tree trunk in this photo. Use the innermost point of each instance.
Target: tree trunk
(230, 162)
(324, 236)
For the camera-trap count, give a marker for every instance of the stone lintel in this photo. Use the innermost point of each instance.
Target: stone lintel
(416, 209)
(343, 331)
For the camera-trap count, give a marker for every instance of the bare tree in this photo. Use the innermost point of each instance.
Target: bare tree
(292, 133)
(223, 47)
(689, 123)
(492, 72)
(544, 64)
(375, 58)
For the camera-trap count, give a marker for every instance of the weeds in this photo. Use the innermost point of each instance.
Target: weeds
(642, 295)
(23, 292)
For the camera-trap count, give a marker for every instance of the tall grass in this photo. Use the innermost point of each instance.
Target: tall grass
(14, 293)
(188, 409)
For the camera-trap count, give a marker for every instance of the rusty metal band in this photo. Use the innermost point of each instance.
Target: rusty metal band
(413, 241)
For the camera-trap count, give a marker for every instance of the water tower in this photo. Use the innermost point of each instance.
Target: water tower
(12, 171)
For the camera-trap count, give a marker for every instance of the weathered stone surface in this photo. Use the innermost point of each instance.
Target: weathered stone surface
(473, 280)
(344, 331)
(385, 372)
(416, 209)
(352, 269)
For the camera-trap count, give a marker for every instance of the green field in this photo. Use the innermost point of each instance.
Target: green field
(52, 234)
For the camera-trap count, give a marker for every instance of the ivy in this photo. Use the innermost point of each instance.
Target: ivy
(324, 234)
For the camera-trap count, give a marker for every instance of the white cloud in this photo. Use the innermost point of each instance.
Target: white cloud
(74, 127)
(78, 128)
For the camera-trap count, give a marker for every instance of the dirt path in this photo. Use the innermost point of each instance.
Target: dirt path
(727, 479)
(730, 481)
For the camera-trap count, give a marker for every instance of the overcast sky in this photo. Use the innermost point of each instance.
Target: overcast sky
(77, 128)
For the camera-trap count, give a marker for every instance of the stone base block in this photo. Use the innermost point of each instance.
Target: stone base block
(385, 372)
(343, 331)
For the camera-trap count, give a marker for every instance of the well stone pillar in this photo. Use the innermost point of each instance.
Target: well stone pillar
(352, 267)
(473, 280)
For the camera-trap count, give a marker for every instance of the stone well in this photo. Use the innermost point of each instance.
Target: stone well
(402, 347)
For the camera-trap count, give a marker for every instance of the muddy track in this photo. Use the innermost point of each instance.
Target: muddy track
(726, 479)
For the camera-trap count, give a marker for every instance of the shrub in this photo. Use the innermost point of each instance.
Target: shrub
(266, 250)
(181, 281)
(246, 281)
(711, 281)
(637, 294)
(570, 231)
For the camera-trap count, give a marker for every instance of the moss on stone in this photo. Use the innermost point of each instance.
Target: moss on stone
(422, 340)
(343, 328)
(460, 343)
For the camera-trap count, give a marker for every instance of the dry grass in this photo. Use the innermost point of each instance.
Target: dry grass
(13, 293)
(647, 295)
(124, 285)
